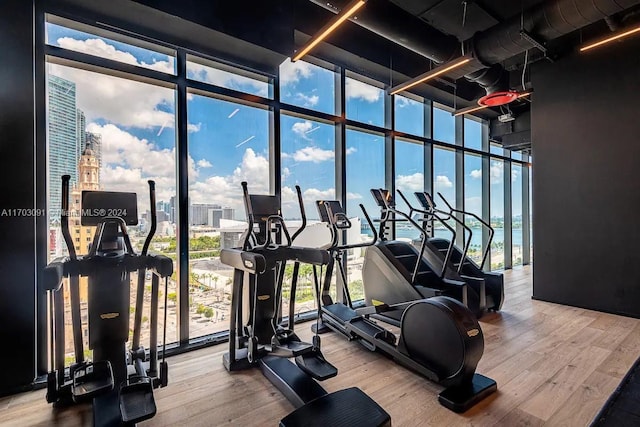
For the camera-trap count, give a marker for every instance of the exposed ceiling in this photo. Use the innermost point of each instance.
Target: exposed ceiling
(395, 40)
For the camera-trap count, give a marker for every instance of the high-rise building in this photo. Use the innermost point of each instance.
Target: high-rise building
(227, 213)
(200, 214)
(63, 136)
(172, 209)
(81, 138)
(94, 142)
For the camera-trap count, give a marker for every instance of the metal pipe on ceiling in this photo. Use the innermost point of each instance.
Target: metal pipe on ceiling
(547, 21)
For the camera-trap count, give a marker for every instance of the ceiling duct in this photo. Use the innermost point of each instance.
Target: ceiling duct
(548, 21)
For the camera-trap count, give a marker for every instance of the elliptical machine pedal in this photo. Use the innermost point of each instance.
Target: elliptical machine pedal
(90, 380)
(136, 401)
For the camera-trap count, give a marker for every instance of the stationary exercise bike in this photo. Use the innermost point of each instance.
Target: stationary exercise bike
(259, 336)
(118, 382)
(439, 337)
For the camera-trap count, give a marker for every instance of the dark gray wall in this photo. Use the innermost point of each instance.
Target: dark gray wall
(17, 233)
(586, 181)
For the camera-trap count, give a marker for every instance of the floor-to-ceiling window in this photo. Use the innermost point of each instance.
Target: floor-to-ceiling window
(110, 142)
(330, 131)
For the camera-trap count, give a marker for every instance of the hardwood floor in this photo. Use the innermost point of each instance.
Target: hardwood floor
(555, 365)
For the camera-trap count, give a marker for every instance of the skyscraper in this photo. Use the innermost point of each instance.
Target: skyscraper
(94, 142)
(62, 136)
(81, 138)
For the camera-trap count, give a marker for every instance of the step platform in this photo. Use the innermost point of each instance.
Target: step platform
(136, 402)
(90, 380)
(349, 408)
(462, 397)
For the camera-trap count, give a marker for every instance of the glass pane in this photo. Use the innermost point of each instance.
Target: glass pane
(516, 155)
(444, 182)
(472, 134)
(365, 170)
(365, 103)
(444, 126)
(102, 47)
(217, 74)
(497, 213)
(112, 143)
(231, 146)
(516, 212)
(496, 149)
(308, 160)
(307, 85)
(409, 179)
(473, 203)
(409, 115)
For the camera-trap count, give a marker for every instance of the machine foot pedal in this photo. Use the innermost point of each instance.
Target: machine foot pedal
(137, 402)
(315, 365)
(462, 397)
(90, 380)
(349, 408)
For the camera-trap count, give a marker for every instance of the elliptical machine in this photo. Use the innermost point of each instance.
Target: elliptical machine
(119, 383)
(439, 337)
(492, 289)
(258, 336)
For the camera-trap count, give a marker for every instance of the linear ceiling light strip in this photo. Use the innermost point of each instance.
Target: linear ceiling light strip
(610, 39)
(330, 27)
(438, 71)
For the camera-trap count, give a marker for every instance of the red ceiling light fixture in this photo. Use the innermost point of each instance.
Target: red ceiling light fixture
(496, 99)
(480, 106)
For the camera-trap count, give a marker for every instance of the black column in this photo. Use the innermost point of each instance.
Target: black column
(17, 223)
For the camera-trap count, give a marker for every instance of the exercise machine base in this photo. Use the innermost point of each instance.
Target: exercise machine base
(349, 408)
(462, 397)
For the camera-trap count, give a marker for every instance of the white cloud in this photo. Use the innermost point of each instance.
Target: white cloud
(204, 163)
(225, 79)
(120, 148)
(316, 194)
(121, 101)
(496, 172)
(514, 175)
(226, 190)
(301, 128)
(476, 174)
(307, 100)
(357, 89)
(292, 72)
(351, 150)
(402, 102)
(313, 154)
(414, 182)
(191, 127)
(99, 47)
(443, 181)
(353, 196)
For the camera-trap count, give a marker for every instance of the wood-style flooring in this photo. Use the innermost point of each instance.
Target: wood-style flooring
(555, 365)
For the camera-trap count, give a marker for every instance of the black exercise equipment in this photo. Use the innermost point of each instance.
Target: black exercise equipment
(258, 336)
(396, 271)
(491, 289)
(119, 383)
(439, 337)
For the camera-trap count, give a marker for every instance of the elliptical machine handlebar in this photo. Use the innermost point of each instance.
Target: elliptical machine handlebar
(64, 223)
(484, 223)
(302, 214)
(447, 257)
(333, 219)
(154, 220)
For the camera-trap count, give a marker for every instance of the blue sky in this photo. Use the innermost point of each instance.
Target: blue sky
(228, 142)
